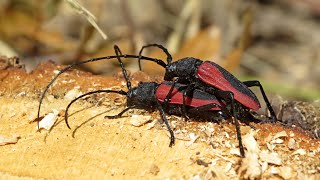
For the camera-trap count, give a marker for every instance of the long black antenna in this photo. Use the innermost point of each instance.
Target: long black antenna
(86, 94)
(165, 50)
(158, 61)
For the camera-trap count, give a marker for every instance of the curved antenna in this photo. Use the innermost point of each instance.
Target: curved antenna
(86, 94)
(124, 71)
(158, 61)
(165, 50)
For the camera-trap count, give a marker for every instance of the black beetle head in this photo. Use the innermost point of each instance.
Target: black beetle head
(143, 96)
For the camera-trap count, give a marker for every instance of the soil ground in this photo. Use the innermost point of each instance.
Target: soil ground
(96, 147)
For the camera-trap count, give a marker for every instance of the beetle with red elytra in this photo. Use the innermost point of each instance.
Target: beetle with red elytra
(212, 78)
(151, 96)
(208, 80)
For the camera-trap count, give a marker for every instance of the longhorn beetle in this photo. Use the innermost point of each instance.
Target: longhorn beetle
(211, 78)
(151, 96)
(198, 74)
(158, 61)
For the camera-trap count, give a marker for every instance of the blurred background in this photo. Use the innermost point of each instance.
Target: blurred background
(274, 41)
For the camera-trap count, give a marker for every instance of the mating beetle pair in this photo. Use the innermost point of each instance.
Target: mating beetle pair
(187, 95)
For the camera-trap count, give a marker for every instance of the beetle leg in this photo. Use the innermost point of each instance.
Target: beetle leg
(168, 97)
(227, 95)
(257, 83)
(163, 116)
(186, 92)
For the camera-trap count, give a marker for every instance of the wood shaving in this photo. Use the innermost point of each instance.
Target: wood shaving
(151, 124)
(271, 146)
(300, 152)
(139, 120)
(250, 167)
(235, 151)
(277, 141)
(271, 158)
(291, 144)
(180, 136)
(228, 167)
(250, 142)
(56, 72)
(280, 135)
(193, 138)
(5, 140)
(209, 131)
(73, 93)
(69, 81)
(224, 158)
(286, 172)
(264, 166)
(48, 121)
(273, 170)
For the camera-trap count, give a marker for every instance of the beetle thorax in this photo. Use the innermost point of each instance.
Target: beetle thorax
(184, 68)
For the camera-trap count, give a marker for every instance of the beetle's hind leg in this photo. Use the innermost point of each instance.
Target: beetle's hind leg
(266, 100)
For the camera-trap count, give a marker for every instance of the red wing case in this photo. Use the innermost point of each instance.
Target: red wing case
(199, 98)
(214, 75)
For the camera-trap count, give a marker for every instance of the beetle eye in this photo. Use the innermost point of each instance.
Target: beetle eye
(171, 69)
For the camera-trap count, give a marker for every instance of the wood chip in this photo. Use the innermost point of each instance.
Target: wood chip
(48, 121)
(5, 140)
(139, 120)
(193, 138)
(235, 151)
(280, 135)
(300, 152)
(151, 124)
(271, 158)
(250, 167)
(291, 144)
(286, 172)
(73, 93)
(250, 142)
